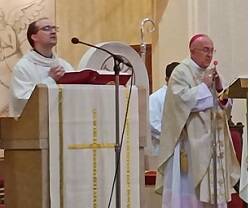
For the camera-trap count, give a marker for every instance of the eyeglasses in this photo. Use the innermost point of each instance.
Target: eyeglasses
(49, 28)
(206, 50)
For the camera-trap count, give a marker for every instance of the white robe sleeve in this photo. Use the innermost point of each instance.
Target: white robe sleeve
(48, 80)
(155, 118)
(204, 98)
(156, 102)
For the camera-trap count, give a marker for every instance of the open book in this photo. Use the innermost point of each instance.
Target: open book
(89, 76)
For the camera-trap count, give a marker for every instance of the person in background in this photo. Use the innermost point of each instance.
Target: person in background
(185, 172)
(156, 103)
(39, 65)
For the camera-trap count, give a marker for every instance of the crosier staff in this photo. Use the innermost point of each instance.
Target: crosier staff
(213, 126)
(143, 44)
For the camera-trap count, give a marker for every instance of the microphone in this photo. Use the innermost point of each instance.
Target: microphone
(118, 58)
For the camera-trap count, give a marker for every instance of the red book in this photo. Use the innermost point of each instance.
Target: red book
(89, 76)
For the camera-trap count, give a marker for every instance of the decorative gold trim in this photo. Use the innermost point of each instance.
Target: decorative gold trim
(128, 155)
(91, 146)
(60, 117)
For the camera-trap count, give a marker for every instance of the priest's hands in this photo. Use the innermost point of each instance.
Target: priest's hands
(56, 72)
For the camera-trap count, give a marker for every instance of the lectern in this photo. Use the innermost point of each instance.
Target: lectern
(238, 89)
(26, 144)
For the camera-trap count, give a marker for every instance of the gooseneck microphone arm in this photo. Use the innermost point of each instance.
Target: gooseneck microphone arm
(117, 58)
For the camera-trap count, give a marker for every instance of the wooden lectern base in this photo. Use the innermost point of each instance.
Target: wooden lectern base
(24, 171)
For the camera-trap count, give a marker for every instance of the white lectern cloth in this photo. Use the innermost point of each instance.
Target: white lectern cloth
(81, 175)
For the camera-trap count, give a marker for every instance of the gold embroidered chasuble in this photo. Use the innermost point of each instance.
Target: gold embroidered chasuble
(178, 119)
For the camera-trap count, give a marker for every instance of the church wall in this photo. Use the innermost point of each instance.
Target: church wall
(96, 21)
(171, 38)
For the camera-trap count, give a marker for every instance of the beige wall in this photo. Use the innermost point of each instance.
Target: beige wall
(169, 45)
(97, 21)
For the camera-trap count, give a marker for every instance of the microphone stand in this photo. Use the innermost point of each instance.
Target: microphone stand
(117, 133)
(117, 61)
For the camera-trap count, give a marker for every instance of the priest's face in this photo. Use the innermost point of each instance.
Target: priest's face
(46, 34)
(202, 51)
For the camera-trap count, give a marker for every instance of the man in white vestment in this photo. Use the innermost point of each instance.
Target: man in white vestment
(185, 172)
(39, 65)
(156, 104)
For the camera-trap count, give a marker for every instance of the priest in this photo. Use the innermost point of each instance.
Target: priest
(39, 65)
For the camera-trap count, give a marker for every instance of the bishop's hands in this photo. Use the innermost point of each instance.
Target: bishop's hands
(211, 76)
(208, 79)
(56, 72)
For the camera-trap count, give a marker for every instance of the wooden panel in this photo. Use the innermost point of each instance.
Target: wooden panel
(25, 141)
(238, 89)
(26, 179)
(21, 132)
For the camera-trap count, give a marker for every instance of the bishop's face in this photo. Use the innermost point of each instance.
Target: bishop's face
(46, 34)
(202, 52)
